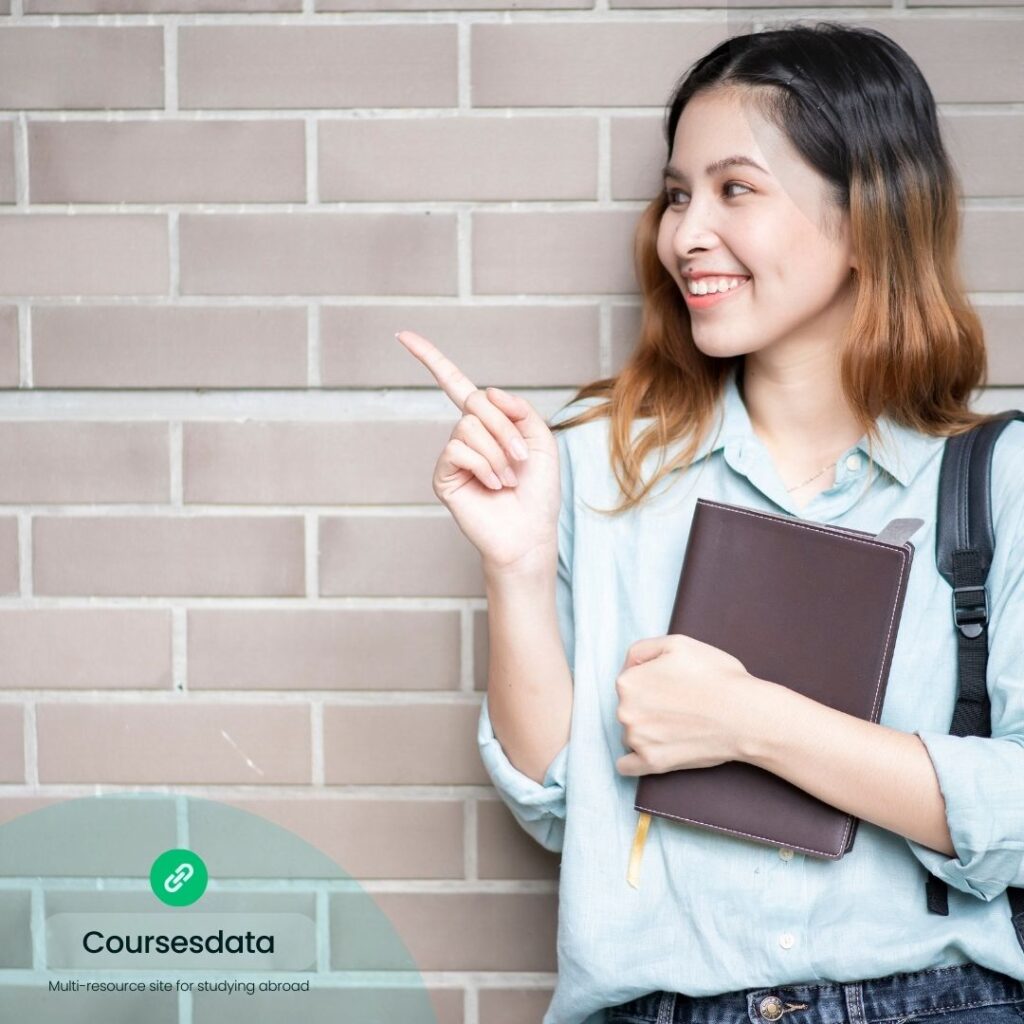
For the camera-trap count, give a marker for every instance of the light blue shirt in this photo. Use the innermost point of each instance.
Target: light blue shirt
(713, 912)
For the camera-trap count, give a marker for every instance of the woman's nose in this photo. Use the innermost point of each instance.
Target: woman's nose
(688, 240)
(692, 231)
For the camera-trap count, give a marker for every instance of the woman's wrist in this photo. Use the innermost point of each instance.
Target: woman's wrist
(537, 566)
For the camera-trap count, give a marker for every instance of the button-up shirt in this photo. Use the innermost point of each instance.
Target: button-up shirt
(714, 912)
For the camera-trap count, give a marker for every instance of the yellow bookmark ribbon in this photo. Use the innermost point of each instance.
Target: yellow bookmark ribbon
(642, 825)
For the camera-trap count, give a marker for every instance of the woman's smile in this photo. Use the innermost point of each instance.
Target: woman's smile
(704, 301)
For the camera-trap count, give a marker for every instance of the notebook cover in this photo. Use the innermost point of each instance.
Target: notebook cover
(811, 606)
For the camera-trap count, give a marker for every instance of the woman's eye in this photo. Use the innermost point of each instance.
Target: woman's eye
(670, 192)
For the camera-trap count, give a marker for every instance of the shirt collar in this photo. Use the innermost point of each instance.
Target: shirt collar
(902, 452)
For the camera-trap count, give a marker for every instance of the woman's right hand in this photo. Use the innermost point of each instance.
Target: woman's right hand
(513, 526)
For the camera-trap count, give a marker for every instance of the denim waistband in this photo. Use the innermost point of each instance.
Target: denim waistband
(888, 1000)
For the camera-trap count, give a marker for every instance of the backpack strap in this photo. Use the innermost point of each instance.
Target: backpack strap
(964, 542)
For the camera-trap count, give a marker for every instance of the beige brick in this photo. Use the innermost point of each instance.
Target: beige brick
(168, 347)
(12, 743)
(399, 556)
(626, 320)
(8, 192)
(318, 254)
(15, 929)
(365, 838)
(581, 63)
(638, 153)
(84, 462)
(450, 5)
(237, 844)
(101, 254)
(949, 53)
(385, 462)
(85, 648)
(513, 1005)
(208, 556)
(986, 149)
(381, 1002)
(991, 250)
(554, 253)
(336, 649)
(13, 807)
(166, 161)
(174, 743)
(448, 931)
(288, 66)
(397, 744)
(481, 649)
(716, 5)
(9, 555)
(502, 346)
(158, 6)
(1003, 340)
(481, 158)
(87, 67)
(9, 359)
(505, 850)
(113, 836)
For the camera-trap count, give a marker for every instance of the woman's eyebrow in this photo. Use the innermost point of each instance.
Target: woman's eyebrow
(668, 171)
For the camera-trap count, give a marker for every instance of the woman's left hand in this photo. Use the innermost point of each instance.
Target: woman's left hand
(683, 704)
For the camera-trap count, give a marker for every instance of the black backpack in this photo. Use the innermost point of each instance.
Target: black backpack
(963, 554)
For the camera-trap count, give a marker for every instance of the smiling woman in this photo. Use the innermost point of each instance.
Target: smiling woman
(800, 285)
(806, 345)
(808, 165)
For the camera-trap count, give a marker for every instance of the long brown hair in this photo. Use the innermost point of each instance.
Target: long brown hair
(857, 108)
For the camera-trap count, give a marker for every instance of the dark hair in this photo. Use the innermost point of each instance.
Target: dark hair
(858, 110)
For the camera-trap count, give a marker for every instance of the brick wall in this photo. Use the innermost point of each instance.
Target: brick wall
(222, 566)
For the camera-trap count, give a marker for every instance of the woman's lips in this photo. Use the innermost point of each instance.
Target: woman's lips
(705, 301)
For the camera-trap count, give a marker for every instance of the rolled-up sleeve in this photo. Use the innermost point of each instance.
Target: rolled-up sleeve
(982, 777)
(540, 808)
(982, 781)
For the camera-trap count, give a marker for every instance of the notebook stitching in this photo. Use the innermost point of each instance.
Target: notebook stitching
(740, 832)
(804, 525)
(878, 682)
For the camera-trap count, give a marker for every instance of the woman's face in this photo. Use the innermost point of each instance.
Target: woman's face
(773, 225)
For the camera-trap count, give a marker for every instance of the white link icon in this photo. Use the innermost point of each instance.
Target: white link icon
(172, 883)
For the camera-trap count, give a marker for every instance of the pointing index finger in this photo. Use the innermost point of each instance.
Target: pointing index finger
(455, 384)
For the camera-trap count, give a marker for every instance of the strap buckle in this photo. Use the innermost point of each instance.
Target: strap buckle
(971, 619)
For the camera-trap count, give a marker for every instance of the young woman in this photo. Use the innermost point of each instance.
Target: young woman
(808, 186)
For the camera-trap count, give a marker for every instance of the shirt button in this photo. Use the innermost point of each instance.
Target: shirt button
(853, 462)
(770, 1008)
(786, 853)
(786, 940)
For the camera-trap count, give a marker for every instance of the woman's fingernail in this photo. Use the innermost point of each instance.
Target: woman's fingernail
(519, 450)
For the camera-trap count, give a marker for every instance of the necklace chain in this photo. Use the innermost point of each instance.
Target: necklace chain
(810, 478)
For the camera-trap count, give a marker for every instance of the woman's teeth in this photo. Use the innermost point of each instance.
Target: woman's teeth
(710, 285)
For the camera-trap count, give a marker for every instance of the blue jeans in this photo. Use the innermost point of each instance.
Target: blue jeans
(963, 994)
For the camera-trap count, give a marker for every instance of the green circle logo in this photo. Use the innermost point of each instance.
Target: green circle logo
(178, 877)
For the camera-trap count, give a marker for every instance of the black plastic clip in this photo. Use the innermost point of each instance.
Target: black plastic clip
(971, 619)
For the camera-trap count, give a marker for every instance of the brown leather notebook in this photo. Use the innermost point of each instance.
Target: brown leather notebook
(811, 606)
